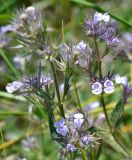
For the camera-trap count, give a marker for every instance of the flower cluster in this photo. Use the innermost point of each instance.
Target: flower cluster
(121, 79)
(73, 133)
(108, 85)
(79, 54)
(101, 27)
(29, 84)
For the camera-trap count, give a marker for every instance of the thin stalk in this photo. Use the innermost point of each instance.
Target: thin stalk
(99, 60)
(57, 89)
(77, 96)
(105, 112)
(13, 69)
(2, 139)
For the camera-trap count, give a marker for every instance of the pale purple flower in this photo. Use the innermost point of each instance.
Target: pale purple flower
(97, 88)
(44, 80)
(121, 79)
(4, 29)
(85, 140)
(61, 127)
(110, 36)
(81, 47)
(101, 17)
(14, 86)
(108, 86)
(78, 120)
(70, 147)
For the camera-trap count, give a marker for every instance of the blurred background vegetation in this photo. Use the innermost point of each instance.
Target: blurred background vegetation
(25, 135)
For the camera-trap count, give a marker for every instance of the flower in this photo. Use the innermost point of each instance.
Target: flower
(69, 54)
(101, 17)
(121, 80)
(110, 36)
(61, 127)
(81, 47)
(30, 10)
(94, 29)
(14, 86)
(78, 120)
(5, 29)
(85, 140)
(109, 86)
(97, 88)
(70, 147)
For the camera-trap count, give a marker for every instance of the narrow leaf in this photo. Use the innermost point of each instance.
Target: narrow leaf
(117, 113)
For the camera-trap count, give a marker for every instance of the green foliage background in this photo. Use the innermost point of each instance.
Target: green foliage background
(15, 122)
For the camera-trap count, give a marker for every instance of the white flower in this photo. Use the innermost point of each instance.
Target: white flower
(30, 10)
(14, 86)
(10, 88)
(78, 119)
(121, 80)
(109, 90)
(101, 17)
(97, 88)
(109, 86)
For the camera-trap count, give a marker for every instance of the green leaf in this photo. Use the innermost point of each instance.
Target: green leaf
(97, 8)
(117, 113)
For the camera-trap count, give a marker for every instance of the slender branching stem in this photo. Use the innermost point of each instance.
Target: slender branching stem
(105, 112)
(57, 89)
(5, 58)
(99, 59)
(77, 96)
(103, 102)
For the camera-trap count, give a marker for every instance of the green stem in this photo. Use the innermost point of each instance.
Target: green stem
(3, 55)
(105, 112)
(85, 157)
(77, 96)
(99, 60)
(57, 89)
